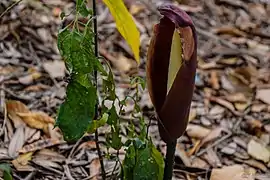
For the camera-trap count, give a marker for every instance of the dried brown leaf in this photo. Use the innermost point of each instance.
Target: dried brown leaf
(258, 107)
(197, 131)
(256, 164)
(14, 107)
(56, 69)
(229, 149)
(214, 134)
(183, 155)
(192, 115)
(234, 172)
(236, 97)
(38, 120)
(199, 163)
(94, 169)
(263, 95)
(16, 142)
(36, 88)
(49, 154)
(21, 163)
(226, 104)
(214, 80)
(54, 133)
(41, 144)
(28, 79)
(29, 132)
(46, 163)
(258, 151)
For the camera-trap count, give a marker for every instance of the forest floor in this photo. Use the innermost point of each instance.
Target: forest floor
(229, 131)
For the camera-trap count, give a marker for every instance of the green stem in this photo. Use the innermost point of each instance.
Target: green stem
(169, 161)
(103, 172)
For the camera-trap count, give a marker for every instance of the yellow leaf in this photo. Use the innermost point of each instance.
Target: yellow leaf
(125, 25)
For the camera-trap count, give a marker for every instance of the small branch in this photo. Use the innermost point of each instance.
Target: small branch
(9, 8)
(169, 161)
(114, 168)
(103, 172)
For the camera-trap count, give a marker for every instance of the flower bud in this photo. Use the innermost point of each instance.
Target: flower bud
(171, 69)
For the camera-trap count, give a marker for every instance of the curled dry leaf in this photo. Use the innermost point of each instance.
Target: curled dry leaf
(258, 151)
(38, 120)
(14, 107)
(234, 172)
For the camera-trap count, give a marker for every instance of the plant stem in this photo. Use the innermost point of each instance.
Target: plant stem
(103, 172)
(169, 161)
(9, 8)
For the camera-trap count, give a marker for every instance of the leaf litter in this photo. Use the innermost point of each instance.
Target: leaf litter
(228, 132)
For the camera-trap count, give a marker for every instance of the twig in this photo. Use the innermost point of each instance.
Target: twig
(3, 109)
(9, 8)
(169, 161)
(212, 145)
(73, 149)
(103, 172)
(114, 168)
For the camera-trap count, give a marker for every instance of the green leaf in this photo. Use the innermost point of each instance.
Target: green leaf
(81, 7)
(97, 123)
(149, 165)
(77, 111)
(100, 68)
(125, 25)
(116, 139)
(83, 79)
(158, 158)
(129, 162)
(7, 171)
(113, 116)
(76, 48)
